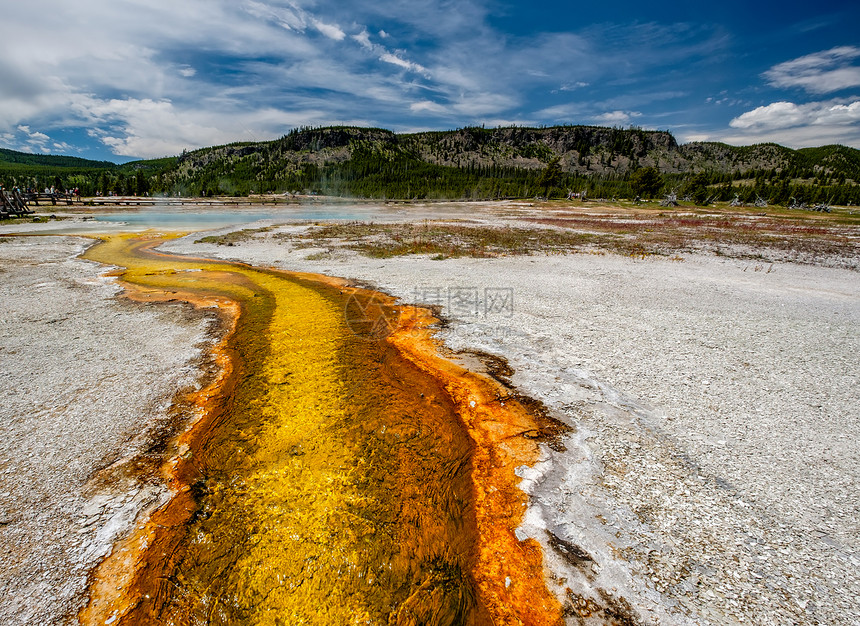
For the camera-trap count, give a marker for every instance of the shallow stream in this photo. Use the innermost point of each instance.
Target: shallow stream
(331, 479)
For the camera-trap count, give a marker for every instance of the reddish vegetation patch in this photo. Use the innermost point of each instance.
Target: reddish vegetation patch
(832, 240)
(736, 235)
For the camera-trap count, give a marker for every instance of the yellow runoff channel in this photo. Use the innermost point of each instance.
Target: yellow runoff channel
(329, 480)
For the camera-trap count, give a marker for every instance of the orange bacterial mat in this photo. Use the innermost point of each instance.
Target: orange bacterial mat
(340, 471)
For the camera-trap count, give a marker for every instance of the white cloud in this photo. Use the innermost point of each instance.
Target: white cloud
(790, 124)
(428, 106)
(562, 112)
(363, 39)
(780, 115)
(293, 17)
(150, 128)
(774, 115)
(24, 139)
(145, 127)
(290, 17)
(821, 72)
(385, 55)
(150, 77)
(389, 57)
(616, 117)
(689, 137)
(329, 30)
(32, 140)
(118, 75)
(798, 137)
(479, 105)
(573, 86)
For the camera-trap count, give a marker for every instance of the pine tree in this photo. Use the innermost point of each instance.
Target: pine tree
(646, 182)
(550, 176)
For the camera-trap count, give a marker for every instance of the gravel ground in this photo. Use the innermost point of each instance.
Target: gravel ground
(712, 475)
(86, 379)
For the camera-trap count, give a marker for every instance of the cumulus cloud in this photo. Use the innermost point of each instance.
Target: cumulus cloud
(804, 124)
(778, 115)
(774, 115)
(27, 140)
(794, 125)
(797, 137)
(154, 128)
(182, 75)
(819, 73)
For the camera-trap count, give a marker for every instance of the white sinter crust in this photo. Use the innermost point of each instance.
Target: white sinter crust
(86, 378)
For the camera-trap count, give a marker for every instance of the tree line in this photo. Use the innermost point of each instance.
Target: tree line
(375, 164)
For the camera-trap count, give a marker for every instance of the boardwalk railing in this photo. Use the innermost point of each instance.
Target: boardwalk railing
(12, 204)
(53, 198)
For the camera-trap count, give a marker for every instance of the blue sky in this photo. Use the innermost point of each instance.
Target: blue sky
(122, 79)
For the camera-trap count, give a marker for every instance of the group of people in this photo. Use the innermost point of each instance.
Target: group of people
(52, 191)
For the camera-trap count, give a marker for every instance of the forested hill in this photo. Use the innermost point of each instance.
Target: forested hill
(38, 171)
(487, 163)
(506, 162)
(47, 160)
(586, 150)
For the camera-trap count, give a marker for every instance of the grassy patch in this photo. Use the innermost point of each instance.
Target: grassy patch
(446, 240)
(23, 219)
(232, 238)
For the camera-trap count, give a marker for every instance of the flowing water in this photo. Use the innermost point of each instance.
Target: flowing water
(331, 480)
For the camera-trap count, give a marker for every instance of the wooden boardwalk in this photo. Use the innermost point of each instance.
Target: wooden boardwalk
(13, 204)
(53, 198)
